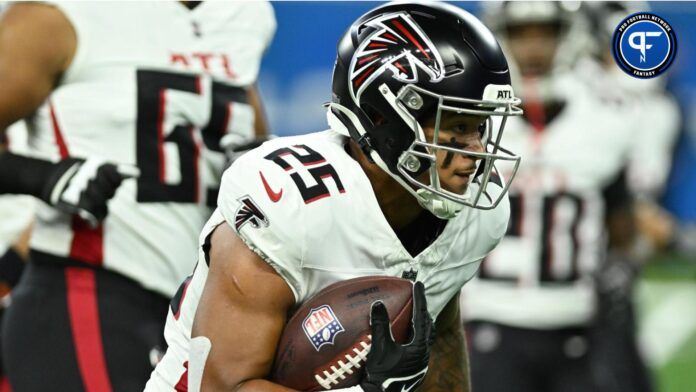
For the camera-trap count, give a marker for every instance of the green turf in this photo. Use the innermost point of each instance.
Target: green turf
(671, 267)
(678, 373)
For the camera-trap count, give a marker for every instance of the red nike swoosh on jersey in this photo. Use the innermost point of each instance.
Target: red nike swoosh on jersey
(274, 196)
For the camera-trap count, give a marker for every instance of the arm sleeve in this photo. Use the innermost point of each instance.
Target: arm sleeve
(11, 267)
(272, 229)
(23, 175)
(617, 195)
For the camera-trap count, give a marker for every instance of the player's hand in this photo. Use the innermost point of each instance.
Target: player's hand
(83, 187)
(399, 367)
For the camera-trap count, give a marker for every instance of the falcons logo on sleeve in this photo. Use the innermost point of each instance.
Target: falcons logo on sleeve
(249, 212)
(397, 44)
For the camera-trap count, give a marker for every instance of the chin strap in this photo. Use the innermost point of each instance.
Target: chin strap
(334, 122)
(438, 206)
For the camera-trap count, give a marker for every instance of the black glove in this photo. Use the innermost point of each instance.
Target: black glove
(395, 367)
(83, 187)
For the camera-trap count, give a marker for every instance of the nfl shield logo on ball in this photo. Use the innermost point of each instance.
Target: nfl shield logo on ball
(321, 326)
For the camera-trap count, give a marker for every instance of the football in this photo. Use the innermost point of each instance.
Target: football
(325, 343)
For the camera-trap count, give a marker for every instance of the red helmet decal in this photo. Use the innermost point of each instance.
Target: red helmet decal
(397, 44)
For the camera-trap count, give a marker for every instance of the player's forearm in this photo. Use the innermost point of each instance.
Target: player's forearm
(262, 386)
(260, 121)
(621, 229)
(267, 386)
(448, 370)
(23, 175)
(218, 377)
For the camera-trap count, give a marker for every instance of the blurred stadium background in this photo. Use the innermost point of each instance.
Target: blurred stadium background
(295, 81)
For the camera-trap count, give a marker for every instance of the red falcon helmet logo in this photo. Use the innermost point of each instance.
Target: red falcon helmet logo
(399, 45)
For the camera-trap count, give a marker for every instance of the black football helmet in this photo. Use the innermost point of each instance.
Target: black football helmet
(403, 63)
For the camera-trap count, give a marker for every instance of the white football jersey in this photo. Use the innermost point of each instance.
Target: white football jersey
(307, 208)
(538, 277)
(658, 123)
(656, 120)
(155, 85)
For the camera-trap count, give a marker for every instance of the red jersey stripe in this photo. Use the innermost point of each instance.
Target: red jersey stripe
(81, 287)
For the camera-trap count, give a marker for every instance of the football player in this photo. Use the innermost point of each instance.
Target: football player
(532, 310)
(402, 184)
(126, 103)
(656, 118)
(16, 215)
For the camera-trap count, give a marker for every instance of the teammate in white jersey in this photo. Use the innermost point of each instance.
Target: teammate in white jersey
(656, 123)
(532, 309)
(16, 215)
(656, 118)
(125, 103)
(403, 184)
